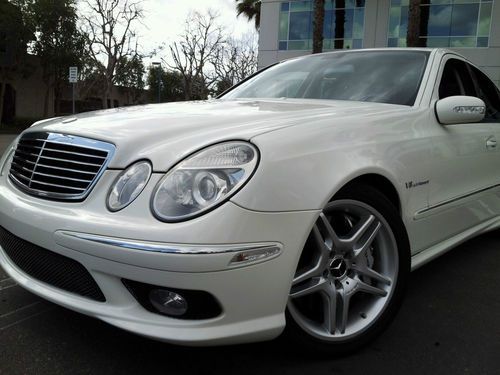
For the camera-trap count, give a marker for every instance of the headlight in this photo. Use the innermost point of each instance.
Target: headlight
(204, 180)
(128, 185)
(7, 157)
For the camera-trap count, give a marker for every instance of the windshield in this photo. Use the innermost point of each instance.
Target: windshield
(367, 76)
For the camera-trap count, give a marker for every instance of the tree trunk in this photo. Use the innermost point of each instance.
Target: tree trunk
(109, 94)
(105, 101)
(187, 90)
(105, 98)
(111, 101)
(424, 25)
(57, 97)
(339, 24)
(46, 101)
(3, 86)
(413, 34)
(58, 105)
(318, 24)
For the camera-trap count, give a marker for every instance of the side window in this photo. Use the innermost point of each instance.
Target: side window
(489, 93)
(456, 80)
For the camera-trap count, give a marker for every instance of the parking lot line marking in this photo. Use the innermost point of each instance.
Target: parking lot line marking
(25, 319)
(20, 309)
(7, 287)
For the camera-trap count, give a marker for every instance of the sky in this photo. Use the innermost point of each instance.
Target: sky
(164, 21)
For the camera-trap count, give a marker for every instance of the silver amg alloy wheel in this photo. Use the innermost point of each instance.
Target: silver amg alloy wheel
(346, 274)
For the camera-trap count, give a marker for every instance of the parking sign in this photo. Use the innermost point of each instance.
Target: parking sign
(73, 74)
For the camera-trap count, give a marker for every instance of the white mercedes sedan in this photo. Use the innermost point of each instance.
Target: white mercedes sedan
(296, 202)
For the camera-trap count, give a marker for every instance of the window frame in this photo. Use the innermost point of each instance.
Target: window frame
(474, 71)
(439, 76)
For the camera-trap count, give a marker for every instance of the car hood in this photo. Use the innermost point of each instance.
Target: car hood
(166, 133)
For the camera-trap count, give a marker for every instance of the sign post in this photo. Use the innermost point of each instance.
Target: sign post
(73, 78)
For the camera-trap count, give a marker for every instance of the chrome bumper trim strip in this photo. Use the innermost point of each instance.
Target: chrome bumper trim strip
(166, 248)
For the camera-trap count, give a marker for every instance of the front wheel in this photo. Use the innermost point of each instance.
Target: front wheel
(352, 273)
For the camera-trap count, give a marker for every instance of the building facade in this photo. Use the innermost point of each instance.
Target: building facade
(26, 93)
(470, 27)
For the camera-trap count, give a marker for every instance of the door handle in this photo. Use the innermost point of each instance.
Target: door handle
(491, 143)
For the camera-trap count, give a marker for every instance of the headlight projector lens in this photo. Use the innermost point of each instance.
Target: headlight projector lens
(204, 180)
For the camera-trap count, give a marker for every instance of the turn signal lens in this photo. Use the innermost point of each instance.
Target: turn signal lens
(128, 185)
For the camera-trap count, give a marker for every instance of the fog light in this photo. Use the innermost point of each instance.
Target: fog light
(167, 302)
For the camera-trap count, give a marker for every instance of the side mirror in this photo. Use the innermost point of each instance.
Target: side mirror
(460, 110)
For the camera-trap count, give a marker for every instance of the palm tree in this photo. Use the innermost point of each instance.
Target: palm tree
(251, 10)
(318, 22)
(413, 33)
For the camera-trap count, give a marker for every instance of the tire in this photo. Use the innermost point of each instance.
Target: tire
(351, 276)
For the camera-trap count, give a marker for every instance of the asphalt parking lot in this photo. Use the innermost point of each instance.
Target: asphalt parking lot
(449, 324)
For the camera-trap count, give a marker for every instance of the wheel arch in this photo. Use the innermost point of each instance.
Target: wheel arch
(379, 182)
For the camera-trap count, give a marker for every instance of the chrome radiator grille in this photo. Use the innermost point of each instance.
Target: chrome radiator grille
(59, 166)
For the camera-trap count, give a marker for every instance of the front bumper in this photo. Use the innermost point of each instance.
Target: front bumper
(253, 297)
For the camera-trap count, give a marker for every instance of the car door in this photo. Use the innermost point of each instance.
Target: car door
(490, 94)
(463, 157)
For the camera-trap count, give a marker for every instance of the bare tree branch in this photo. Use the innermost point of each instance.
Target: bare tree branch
(198, 46)
(110, 34)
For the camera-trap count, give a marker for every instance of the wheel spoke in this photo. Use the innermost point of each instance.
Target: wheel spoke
(315, 271)
(367, 231)
(316, 284)
(330, 309)
(345, 298)
(324, 248)
(371, 273)
(336, 243)
(364, 287)
(320, 263)
(360, 229)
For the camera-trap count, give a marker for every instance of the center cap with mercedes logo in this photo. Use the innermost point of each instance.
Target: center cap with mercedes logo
(338, 267)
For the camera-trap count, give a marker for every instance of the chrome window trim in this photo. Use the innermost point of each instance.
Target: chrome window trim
(72, 140)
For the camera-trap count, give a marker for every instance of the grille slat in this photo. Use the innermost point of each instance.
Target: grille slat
(26, 153)
(57, 166)
(69, 161)
(64, 151)
(21, 167)
(63, 169)
(49, 267)
(17, 174)
(62, 177)
(33, 180)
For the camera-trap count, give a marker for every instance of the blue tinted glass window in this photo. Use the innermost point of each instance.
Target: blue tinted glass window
(403, 26)
(343, 24)
(393, 42)
(327, 26)
(464, 19)
(300, 26)
(443, 23)
(482, 42)
(357, 43)
(435, 20)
